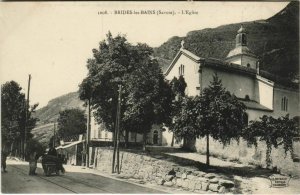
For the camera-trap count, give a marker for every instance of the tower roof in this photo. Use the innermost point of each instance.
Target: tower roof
(241, 45)
(242, 30)
(241, 50)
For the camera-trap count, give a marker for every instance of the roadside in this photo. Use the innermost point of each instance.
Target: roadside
(76, 180)
(247, 178)
(251, 179)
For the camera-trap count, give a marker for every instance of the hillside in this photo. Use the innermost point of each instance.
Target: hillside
(275, 41)
(49, 114)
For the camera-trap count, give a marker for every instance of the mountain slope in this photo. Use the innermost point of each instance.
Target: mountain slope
(50, 112)
(48, 115)
(275, 41)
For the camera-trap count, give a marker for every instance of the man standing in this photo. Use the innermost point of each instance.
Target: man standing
(3, 160)
(32, 163)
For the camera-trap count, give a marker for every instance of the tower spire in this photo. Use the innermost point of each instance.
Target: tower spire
(241, 54)
(241, 38)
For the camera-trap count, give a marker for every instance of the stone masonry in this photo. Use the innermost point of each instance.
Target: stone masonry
(162, 172)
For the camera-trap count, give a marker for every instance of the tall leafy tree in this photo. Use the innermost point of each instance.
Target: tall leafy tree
(143, 85)
(221, 114)
(215, 113)
(71, 122)
(274, 132)
(13, 116)
(177, 94)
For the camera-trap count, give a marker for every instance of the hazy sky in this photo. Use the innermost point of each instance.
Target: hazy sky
(52, 40)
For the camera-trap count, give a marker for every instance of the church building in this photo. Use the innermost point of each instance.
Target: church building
(261, 92)
(241, 75)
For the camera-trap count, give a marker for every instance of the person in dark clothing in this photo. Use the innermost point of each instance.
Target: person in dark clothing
(52, 151)
(3, 160)
(33, 163)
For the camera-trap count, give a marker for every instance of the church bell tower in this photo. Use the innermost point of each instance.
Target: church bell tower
(241, 54)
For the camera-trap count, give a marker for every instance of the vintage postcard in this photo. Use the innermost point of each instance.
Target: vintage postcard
(150, 97)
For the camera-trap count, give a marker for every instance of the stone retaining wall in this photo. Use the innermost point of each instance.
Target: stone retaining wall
(162, 172)
(250, 155)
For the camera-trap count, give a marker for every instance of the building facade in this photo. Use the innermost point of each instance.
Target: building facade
(261, 92)
(241, 75)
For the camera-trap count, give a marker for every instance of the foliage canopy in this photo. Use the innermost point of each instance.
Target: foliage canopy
(273, 132)
(71, 122)
(145, 94)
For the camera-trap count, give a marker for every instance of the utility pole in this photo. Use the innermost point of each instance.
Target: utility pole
(26, 115)
(88, 134)
(118, 129)
(54, 135)
(116, 134)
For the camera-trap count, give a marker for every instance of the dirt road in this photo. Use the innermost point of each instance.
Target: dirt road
(17, 180)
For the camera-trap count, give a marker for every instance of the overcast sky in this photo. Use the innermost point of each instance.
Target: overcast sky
(52, 41)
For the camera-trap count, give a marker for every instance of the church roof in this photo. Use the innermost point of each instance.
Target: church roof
(250, 104)
(185, 52)
(241, 50)
(226, 66)
(219, 64)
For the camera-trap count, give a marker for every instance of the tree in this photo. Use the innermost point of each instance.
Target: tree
(71, 122)
(215, 113)
(13, 117)
(177, 94)
(274, 132)
(144, 89)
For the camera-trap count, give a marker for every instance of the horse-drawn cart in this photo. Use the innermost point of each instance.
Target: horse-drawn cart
(52, 164)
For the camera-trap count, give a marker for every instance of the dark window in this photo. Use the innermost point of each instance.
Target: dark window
(181, 70)
(248, 65)
(284, 104)
(247, 97)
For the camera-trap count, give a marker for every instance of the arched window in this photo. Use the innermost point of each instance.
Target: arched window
(247, 97)
(181, 70)
(284, 104)
(248, 65)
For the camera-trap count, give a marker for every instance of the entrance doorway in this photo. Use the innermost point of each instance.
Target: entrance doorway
(155, 137)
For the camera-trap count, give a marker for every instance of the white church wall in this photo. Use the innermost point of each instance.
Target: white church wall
(243, 60)
(293, 102)
(254, 115)
(191, 74)
(249, 154)
(167, 137)
(240, 85)
(249, 60)
(265, 92)
(235, 60)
